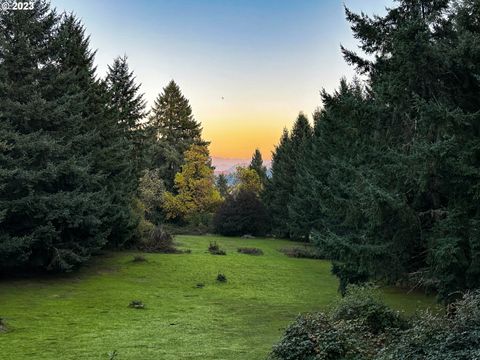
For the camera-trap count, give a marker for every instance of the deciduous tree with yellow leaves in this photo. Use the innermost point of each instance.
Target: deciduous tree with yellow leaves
(195, 185)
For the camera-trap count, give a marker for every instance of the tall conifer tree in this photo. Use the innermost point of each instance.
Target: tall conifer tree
(174, 130)
(257, 164)
(284, 168)
(128, 105)
(52, 201)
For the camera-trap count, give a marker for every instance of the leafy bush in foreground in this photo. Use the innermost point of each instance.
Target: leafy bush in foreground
(455, 335)
(361, 327)
(350, 331)
(363, 305)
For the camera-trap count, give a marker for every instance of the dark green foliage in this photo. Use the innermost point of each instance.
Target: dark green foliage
(221, 184)
(388, 183)
(302, 252)
(348, 274)
(257, 164)
(441, 337)
(221, 278)
(311, 337)
(173, 130)
(52, 198)
(128, 106)
(280, 186)
(363, 304)
(357, 328)
(214, 249)
(66, 179)
(361, 327)
(241, 213)
(250, 251)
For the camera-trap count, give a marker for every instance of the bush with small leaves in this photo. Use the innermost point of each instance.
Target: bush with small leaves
(364, 305)
(250, 251)
(214, 249)
(357, 328)
(221, 278)
(451, 335)
(312, 337)
(136, 304)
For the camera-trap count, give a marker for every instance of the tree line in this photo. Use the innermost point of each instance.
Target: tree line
(83, 165)
(387, 180)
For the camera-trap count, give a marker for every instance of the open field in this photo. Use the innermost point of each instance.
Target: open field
(85, 315)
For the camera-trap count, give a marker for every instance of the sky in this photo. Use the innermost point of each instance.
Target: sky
(248, 67)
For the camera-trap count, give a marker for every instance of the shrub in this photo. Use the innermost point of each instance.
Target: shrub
(314, 337)
(139, 258)
(250, 251)
(361, 327)
(454, 335)
(363, 304)
(302, 253)
(350, 331)
(241, 213)
(214, 249)
(159, 241)
(136, 304)
(221, 278)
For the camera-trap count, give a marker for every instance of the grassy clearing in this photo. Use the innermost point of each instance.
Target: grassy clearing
(86, 315)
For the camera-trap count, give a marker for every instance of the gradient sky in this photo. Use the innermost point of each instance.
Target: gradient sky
(268, 59)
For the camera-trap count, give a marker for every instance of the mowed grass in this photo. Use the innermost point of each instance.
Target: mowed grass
(85, 315)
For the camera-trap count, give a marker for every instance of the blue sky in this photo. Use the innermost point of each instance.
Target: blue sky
(267, 59)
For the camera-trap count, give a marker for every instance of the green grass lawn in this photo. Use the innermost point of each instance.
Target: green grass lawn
(85, 315)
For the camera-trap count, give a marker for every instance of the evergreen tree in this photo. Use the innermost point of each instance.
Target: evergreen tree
(280, 187)
(222, 185)
(128, 106)
(241, 213)
(389, 181)
(109, 148)
(174, 130)
(257, 164)
(51, 200)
